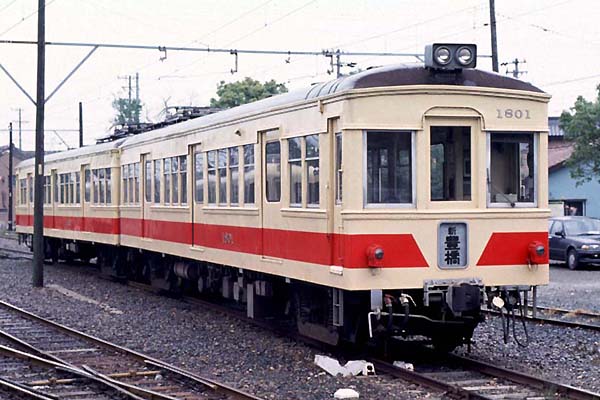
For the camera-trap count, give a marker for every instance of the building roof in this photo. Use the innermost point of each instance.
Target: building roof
(17, 153)
(558, 153)
(554, 129)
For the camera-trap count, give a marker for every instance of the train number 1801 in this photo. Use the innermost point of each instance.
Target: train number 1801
(512, 113)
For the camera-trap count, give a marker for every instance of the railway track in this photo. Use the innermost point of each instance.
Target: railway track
(463, 377)
(580, 319)
(72, 358)
(456, 376)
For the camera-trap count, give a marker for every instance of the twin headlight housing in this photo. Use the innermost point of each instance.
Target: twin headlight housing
(447, 56)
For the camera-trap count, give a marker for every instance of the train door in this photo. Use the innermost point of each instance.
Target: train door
(271, 221)
(334, 212)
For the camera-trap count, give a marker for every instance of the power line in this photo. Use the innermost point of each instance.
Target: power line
(268, 24)
(8, 5)
(25, 18)
(582, 78)
(233, 20)
(164, 49)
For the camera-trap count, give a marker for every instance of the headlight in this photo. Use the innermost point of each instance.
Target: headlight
(464, 56)
(443, 55)
(590, 246)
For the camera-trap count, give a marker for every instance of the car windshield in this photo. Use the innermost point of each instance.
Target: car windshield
(584, 226)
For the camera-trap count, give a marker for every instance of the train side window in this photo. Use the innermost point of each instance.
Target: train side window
(23, 191)
(62, 188)
(312, 169)
(167, 175)
(273, 168)
(47, 189)
(234, 188)
(175, 180)
(71, 188)
(77, 187)
(148, 181)
(95, 185)
(199, 177)
(450, 161)
(125, 179)
(295, 168)
(136, 181)
(30, 189)
(389, 167)
(222, 175)
(183, 178)
(249, 174)
(108, 185)
(88, 188)
(338, 168)
(512, 165)
(131, 184)
(211, 158)
(157, 181)
(56, 185)
(101, 186)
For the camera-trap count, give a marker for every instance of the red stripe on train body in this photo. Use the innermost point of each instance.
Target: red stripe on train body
(511, 248)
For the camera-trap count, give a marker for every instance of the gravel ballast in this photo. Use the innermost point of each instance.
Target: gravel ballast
(237, 353)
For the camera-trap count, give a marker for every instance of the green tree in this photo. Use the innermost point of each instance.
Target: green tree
(245, 91)
(128, 112)
(582, 125)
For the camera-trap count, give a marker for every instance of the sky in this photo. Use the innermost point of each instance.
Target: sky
(558, 39)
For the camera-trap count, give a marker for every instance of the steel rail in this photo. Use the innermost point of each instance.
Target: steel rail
(555, 321)
(24, 391)
(208, 383)
(64, 367)
(569, 391)
(450, 388)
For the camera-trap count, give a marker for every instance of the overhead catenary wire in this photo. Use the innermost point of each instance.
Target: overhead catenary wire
(218, 50)
(24, 19)
(8, 5)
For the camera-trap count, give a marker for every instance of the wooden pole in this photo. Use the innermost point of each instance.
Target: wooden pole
(38, 198)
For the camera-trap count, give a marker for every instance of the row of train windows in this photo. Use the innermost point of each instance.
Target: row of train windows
(510, 173)
(67, 187)
(227, 176)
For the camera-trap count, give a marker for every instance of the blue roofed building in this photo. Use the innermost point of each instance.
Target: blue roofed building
(566, 198)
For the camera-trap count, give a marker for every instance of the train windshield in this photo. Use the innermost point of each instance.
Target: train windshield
(511, 176)
(450, 161)
(389, 167)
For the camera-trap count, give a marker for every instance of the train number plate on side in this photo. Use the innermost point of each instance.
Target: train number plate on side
(452, 245)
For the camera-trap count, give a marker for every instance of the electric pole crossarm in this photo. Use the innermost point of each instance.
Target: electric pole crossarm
(71, 73)
(17, 83)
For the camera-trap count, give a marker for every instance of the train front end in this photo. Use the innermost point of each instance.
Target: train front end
(450, 202)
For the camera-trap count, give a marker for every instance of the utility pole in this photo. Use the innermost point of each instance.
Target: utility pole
(494, 39)
(10, 177)
(516, 73)
(129, 116)
(80, 124)
(38, 198)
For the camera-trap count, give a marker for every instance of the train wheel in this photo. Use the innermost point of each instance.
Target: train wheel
(572, 259)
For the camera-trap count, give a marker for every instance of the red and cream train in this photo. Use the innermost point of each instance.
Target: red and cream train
(391, 202)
